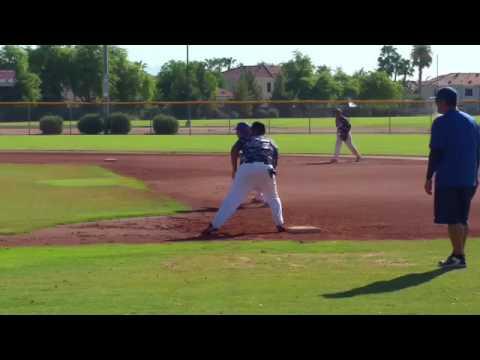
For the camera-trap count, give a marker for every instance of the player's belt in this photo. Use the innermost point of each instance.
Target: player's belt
(258, 162)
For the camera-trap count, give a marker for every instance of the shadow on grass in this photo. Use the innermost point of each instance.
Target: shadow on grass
(219, 237)
(201, 210)
(396, 284)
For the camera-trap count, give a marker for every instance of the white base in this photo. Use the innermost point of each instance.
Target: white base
(303, 229)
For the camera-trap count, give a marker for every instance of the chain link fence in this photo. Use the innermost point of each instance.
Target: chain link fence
(213, 117)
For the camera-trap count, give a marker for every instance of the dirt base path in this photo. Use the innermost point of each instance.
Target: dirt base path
(373, 199)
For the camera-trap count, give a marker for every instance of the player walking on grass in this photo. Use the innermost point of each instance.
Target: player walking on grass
(243, 132)
(454, 159)
(257, 172)
(343, 136)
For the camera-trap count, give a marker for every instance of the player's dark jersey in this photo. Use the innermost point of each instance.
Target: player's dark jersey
(239, 145)
(343, 127)
(260, 149)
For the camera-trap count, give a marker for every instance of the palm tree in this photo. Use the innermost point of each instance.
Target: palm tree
(421, 58)
(405, 68)
(388, 61)
(229, 62)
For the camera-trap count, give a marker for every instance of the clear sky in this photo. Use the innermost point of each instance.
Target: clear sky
(452, 58)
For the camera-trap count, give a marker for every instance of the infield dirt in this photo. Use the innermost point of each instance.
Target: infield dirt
(375, 199)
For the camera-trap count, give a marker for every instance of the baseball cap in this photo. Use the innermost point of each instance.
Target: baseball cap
(447, 94)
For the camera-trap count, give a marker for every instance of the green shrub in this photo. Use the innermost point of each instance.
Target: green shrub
(273, 113)
(90, 124)
(261, 113)
(51, 125)
(150, 112)
(165, 125)
(118, 123)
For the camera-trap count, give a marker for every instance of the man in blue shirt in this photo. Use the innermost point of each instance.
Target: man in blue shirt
(454, 159)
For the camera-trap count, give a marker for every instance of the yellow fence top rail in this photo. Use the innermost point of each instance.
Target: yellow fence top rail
(227, 102)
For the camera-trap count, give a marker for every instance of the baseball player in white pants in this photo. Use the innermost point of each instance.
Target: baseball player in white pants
(256, 173)
(243, 132)
(343, 135)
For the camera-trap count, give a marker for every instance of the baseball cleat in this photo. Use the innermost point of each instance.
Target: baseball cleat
(453, 262)
(333, 161)
(280, 228)
(358, 159)
(210, 230)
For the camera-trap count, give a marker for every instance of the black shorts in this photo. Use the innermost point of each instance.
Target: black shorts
(452, 204)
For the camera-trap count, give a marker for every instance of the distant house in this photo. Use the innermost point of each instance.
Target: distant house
(224, 94)
(8, 90)
(7, 78)
(466, 84)
(265, 76)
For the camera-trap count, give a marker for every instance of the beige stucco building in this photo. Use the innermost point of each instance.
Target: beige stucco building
(265, 76)
(466, 84)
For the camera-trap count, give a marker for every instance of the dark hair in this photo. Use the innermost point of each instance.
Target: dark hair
(243, 130)
(258, 128)
(447, 94)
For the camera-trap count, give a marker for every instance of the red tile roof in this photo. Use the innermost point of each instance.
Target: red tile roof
(266, 71)
(464, 79)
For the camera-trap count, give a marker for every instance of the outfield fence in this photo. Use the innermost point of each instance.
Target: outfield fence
(220, 117)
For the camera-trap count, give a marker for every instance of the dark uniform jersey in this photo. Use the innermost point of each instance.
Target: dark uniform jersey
(260, 149)
(239, 145)
(343, 128)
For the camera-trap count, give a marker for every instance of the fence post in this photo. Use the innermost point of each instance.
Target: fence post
(269, 127)
(309, 122)
(389, 122)
(229, 126)
(431, 118)
(29, 117)
(189, 119)
(71, 117)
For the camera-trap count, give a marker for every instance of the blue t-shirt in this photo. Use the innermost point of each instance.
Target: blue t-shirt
(457, 136)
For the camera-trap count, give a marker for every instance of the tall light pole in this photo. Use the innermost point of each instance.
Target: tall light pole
(189, 93)
(106, 82)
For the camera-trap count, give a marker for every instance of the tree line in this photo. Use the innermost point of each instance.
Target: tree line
(48, 72)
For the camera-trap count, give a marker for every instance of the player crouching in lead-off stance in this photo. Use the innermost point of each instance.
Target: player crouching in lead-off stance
(257, 172)
(343, 135)
(243, 133)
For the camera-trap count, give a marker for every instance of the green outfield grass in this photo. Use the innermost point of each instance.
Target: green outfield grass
(38, 196)
(239, 277)
(369, 144)
(414, 122)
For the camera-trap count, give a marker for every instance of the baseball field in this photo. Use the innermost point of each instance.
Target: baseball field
(81, 235)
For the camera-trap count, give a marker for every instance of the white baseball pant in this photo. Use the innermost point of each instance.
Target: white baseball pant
(349, 143)
(250, 177)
